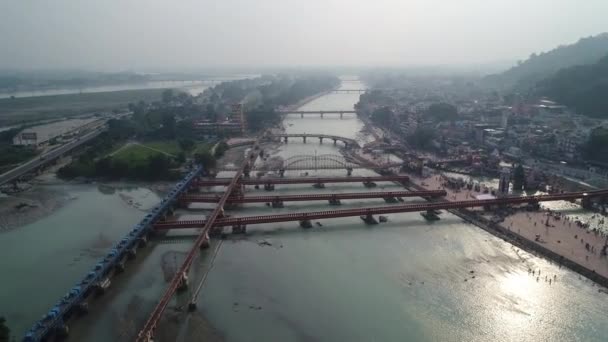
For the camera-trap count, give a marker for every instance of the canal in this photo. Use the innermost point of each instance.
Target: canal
(406, 279)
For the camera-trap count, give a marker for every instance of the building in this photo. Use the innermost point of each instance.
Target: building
(233, 125)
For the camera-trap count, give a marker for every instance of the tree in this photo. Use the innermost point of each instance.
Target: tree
(4, 330)
(186, 144)
(596, 147)
(383, 116)
(158, 166)
(422, 137)
(221, 148)
(168, 121)
(205, 158)
(439, 112)
(519, 178)
(167, 95)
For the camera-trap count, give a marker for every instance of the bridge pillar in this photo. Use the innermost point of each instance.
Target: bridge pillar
(277, 203)
(305, 224)
(369, 184)
(341, 115)
(216, 231)
(430, 215)
(349, 171)
(205, 244)
(281, 172)
(586, 203)
(143, 241)
(304, 138)
(532, 206)
(335, 141)
(334, 201)
(183, 284)
(390, 200)
(320, 140)
(239, 229)
(369, 219)
(345, 144)
(302, 115)
(269, 187)
(322, 115)
(286, 140)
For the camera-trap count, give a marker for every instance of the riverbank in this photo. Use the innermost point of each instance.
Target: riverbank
(560, 240)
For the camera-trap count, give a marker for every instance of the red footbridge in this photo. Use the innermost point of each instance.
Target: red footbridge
(303, 180)
(179, 280)
(303, 217)
(312, 197)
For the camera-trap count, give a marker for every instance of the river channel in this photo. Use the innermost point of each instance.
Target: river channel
(404, 280)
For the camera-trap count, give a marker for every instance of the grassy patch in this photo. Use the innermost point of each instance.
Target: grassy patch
(134, 154)
(169, 146)
(27, 109)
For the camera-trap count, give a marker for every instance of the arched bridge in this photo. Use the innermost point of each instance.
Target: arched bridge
(317, 162)
(346, 141)
(313, 162)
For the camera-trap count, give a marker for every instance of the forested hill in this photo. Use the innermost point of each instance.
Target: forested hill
(538, 67)
(582, 87)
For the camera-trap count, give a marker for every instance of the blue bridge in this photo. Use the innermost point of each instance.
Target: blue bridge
(75, 302)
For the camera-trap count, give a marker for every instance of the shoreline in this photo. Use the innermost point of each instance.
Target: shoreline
(518, 239)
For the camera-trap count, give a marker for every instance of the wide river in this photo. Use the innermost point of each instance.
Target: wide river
(405, 280)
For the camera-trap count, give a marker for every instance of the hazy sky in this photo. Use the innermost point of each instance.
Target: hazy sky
(138, 34)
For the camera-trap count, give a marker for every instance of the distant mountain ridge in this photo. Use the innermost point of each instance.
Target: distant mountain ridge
(582, 87)
(538, 67)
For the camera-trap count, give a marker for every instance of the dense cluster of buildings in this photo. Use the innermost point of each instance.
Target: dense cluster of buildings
(488, 131)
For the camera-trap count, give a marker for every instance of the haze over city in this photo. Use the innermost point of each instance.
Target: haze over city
(123, 35)
(321, 170)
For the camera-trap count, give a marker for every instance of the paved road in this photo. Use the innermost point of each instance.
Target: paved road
(46, 157)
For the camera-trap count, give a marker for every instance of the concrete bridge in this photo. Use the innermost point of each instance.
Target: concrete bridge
(322, 113)
(347, 141)
(348, 91)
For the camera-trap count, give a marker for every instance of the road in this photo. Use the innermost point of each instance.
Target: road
(32, 164)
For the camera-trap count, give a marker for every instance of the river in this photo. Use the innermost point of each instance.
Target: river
(194, 87)
(402, 280)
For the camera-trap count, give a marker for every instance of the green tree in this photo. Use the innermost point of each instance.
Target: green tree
(383, 116)
(167, 95)
(439, 112)
(205, 158)
(168, 121)
(221, 148)
(422, 137)
(4, 330)
(186, 144)
(596, 147)
(519, 178)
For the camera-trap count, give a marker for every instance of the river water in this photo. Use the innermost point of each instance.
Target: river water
(405, 280)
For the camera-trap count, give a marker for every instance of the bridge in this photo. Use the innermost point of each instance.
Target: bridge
(76, 301)
(322, 113)
(302, 180)
(346, 141)
(348, 91)
(241, 222)
(180, 279)
(317, 162)
(46, 158)
(332, 198)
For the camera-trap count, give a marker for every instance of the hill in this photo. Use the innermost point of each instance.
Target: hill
(582, 87)
(540, 66)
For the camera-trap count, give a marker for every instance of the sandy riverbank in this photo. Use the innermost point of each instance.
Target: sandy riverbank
(561, 235)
